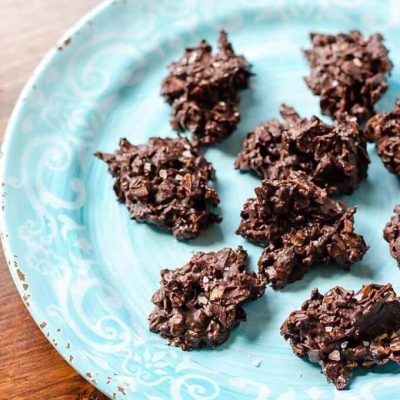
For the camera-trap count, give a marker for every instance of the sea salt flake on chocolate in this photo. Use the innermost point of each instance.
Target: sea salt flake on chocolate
(334, 356)
(163, 173)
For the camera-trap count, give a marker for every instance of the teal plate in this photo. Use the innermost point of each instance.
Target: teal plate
(86, 272)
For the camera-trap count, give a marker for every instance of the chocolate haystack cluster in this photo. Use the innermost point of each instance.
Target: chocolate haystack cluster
(164, 182)
(202, 89)
(391, 233)
(334, 157)
(384, 129)
(299, 226)
(343, 330)
(348, 72)
(200, 303)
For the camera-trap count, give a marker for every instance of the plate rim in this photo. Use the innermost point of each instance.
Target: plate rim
(10, 130)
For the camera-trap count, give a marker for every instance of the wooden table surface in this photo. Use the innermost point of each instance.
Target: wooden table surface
(30, 368)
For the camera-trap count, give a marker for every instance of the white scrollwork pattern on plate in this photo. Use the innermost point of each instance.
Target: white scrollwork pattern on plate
(68, 112)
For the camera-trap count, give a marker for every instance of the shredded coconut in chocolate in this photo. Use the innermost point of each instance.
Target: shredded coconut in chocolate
(348, 72)
(333, 156)
(299, 226)
(202, 89)
(165, 183)
(200, 303)
(343, 330)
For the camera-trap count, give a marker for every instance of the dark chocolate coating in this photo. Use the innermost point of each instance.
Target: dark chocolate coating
(299, 226)
(348, 72)
(202, 89)
(342, 330)
(200, 303)
(333, 156)
(165, 183)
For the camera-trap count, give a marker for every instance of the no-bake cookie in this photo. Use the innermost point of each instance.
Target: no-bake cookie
(384, 129)
(200, 303)
(202, 89)
(333, 156)
(299, 226)
(165, 183)
(348, 72)
(342, 330)
(391, 233)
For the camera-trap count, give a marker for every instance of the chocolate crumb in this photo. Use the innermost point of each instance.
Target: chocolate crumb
(348, 72)
(367, 330)
(391, 233)
(192, 311)
(257, 362)
(145, 180)
(299, 226)
(333, 156)
(202, 89)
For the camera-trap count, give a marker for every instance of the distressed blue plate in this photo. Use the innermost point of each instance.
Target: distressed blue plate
(86, 272)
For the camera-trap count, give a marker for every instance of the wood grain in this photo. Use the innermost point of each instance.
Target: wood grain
(30, 368)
